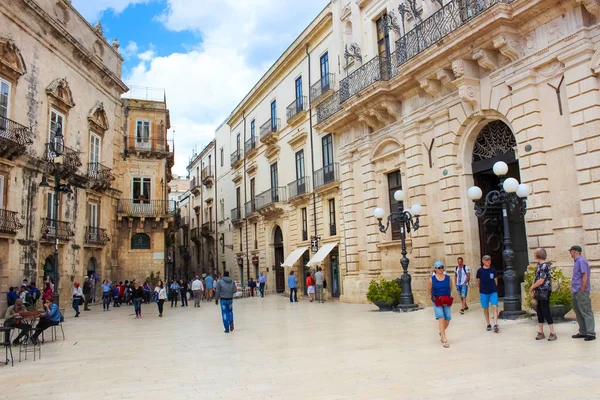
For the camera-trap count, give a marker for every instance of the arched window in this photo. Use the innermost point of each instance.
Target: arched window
(140, 241)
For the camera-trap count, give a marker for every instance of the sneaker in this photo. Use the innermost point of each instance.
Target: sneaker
(226, 330)
(231, 327)
(466, 308)
(552, 337)
(589, 338)
(462, 311)
(160, 315)
(541, 336)
(496, 329)
(489, 328)
(578, 336)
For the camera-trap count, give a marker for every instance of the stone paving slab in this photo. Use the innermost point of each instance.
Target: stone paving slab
(305, 350)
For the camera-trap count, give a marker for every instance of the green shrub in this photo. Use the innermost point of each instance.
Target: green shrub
(561, 286)
(384, 290)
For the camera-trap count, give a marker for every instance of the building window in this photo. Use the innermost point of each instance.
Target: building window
(56, 118)
(1, 192)
(238, 142)
(394, 183)
(304, 214)
(324, 63)
(4, 99)
(95, 149)
(300, 166)
(255, 236)
(332, 224)
(383, 37)
(140, 241)
(299, 100)
(252, 130)
(238, 198)
(222, 157)
(141, 190)
(274, 116)
(327, 145)
(142, 134)
(93, 215)
(241, 239)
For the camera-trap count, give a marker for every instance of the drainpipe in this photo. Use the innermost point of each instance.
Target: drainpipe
(201, 216)
(216, 203)
(245, 200)
(312, 151)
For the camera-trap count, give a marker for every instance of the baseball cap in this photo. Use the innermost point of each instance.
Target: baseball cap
(438, 264)
(576, 248)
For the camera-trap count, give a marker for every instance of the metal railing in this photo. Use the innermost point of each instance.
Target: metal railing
(52, 228)
(145, 208)
(322, 86)
(207, 172)
(71, 160)
(236, 156)
(328, 174)
(299, 187)
(14, 137)
(194, 183)
(299, 105)
(332, 229)
(328, 107)
(250, 144)
(273, 195)
(207, 228)
(377, 69)
(146, 144)
(95, 235)
(9, 222)
(100, 172)
(250, 207)
(236, 214)
(272, 125)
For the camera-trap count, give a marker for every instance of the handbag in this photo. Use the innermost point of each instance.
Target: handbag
(543, 295)
(443, 301)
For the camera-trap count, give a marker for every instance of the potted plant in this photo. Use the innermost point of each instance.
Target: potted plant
(384, 294)
(560, 298)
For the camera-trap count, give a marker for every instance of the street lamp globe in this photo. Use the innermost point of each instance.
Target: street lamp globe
(510, 185)
(500, 168)
(416, 209)
(379, 213)
(399, 195)
(474, 193)
(523, 190)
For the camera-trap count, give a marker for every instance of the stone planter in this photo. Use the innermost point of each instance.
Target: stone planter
(558, 312)
(383, 306)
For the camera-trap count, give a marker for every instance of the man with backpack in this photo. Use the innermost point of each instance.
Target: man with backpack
(462, 277)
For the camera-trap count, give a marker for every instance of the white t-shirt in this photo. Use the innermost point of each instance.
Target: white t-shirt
(319, 278)
(461, 274)
(197, 285)
(162, 293)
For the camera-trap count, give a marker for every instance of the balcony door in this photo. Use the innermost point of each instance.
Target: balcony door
(238, 199)
(142, 135)
(274, 183)
(93, 221)
(383, 45)
(300, 177)
(274, 116)
(57, 122)
(324, 66)
(328, 168)
(1, 192)
(299, 100)
(141, 195)
(4, 106)
(252, 194)
(51, 222)
(95, 148)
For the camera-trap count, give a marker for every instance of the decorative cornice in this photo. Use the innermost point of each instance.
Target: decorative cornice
(11, 60)
(486, 59)
(298, 139)
(97, 118)
(593, 6)
(59, 89)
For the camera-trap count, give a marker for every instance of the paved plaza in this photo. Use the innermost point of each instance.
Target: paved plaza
(281, 350)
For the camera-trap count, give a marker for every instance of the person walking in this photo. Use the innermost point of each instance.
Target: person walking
(161, 296)
(320, 284)
(462, 277)
(137, 294)
(197, 288)
(540, 291)
(77, 298)
(487, 282)
(293, 285)
(262, 281)
(580, 289)
(310, 284)
(210, 283)
(226, 288)
(106, 294)
(440, 292)
(183, 291)
(116, 297)
(174, 293)
(252, 286)
(87, 293)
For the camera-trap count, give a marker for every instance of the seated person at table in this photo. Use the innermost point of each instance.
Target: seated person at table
(48, 318)
(11, 321)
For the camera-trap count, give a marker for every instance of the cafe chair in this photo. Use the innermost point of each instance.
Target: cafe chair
(7, 344)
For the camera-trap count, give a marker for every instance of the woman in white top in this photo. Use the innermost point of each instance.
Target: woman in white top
(77, 297)
(161, 295)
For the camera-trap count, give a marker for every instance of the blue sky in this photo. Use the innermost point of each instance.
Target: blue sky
(207, 54)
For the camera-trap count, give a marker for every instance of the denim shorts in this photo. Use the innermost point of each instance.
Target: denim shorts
(442, 312)
(486, 299)
(463, 290)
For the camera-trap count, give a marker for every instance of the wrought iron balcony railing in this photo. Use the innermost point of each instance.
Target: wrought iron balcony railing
(101, 174)
(194, 184)
(207, 228)
(145, 208)
(299, 187)
(328, 174)
(332, 229)
(143, 144)
(328, 107)
(250, 207)
(250, 144)
(272, 125)
(9, 222)
(236, 157)
(322, 86)
(96, 236)
(299, 105)
(14, 138)
(377, 69)
(236, 214)
(268, 197)
(71, 160)
(52, 228)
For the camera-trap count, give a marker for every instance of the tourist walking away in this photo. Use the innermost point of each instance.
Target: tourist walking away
(106, 294)
(320, 284)
(252, 286)
(440, 292)
(197, 288)
(540, 291)
(487, 282)
(262, 281)
(209, 287)
(580, 289)
(174, 293)
(293, 285)
(50, 317)
(161, 296)
(226, 288)
(137, 294)
(11, 321)
(310, 284)
(462, 277)
(183, 291)
(77, 298)
(87, 293)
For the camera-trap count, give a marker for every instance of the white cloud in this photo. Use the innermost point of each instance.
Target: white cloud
(92, 9)
(147, 55)
(130, 50)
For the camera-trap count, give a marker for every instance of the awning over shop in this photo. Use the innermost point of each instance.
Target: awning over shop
(321, 254)
(294, 256)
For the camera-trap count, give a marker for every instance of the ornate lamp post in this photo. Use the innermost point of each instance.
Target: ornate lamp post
(408, 220)
(510, 196)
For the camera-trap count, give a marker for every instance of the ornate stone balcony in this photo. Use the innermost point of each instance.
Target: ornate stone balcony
(14, 139)
(268, 203)
(195, 186)
(150, 147)
(52, 228)
(9, 222)
(101, 177)
(71, 162)
(250, 208)
(195, 235)
(269, 131)
(207, 229)
(208, 177)
(96, 236)
(296, 110)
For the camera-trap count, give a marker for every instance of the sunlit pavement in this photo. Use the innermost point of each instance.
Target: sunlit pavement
(281, 350)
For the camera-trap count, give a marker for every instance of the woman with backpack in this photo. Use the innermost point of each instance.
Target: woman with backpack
(540, 291)
(440, 291)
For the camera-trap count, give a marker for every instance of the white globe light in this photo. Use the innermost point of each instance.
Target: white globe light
(379, 213)
(474, 193)
(416, 209)
(510, 185)
(523, 190)
(500, 168)
(399, 195)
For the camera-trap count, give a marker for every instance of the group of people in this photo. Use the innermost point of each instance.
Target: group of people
(315, 284)
(14, 318)
(200, 289)
(441, 287)
(29, 293)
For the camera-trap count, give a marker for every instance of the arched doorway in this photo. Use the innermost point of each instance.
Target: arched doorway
(278, 247)
(49, 268)
(92, 266)
(496, 142)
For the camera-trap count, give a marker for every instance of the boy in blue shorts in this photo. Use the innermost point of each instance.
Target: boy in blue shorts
(462, 277)
(487, 282)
